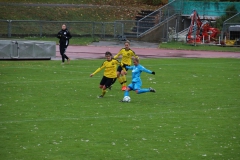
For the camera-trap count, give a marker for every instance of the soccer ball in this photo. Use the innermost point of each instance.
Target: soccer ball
(126, 99)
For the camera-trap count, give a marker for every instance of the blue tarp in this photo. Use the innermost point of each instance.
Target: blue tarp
(204, 8)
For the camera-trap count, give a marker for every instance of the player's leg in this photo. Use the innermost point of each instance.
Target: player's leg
(102, 86)
(61, 49)
(124, 78)
(140, 90)
(129, 88)
(112, 82)
(126, 92)
(119, 69)
(107, 83)
(65, 56)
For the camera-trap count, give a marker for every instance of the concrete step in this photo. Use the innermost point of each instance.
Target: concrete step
(145, 24)
(146, 11)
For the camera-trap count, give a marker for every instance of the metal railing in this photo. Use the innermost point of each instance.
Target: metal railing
(119, 28)
(226, 33)
(129, 28)
(13, 28)
(161, 16)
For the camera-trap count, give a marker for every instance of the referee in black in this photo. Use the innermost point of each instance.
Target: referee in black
(64, 36)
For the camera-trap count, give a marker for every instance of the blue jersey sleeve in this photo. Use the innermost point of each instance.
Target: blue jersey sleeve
(143, 69)
(129, 67)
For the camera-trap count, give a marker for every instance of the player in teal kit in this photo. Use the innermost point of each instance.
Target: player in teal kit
(136, 84)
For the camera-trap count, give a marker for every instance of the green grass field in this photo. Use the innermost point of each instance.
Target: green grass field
(74, 40)
(198, 47)
(51, 111)
(100, 13)
(80, 41)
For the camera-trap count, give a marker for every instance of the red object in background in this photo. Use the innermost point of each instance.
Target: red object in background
(199, 30)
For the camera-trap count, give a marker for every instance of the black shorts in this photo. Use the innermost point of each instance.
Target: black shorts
(107, 82)
(119, 69)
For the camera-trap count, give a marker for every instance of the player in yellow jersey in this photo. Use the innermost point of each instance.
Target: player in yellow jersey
(127, 55)
(110, 75)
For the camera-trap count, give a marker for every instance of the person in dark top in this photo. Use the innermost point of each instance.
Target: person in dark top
(64, 36)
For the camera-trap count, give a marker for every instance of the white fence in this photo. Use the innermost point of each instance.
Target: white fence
(18, 49)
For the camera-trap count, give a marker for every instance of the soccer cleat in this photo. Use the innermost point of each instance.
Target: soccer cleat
(68, 61)
(152, 90)
(124, 88)
(123, 101)
(101, 96)
(62, 63)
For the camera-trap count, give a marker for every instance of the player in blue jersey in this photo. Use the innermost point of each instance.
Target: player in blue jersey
(136, 84)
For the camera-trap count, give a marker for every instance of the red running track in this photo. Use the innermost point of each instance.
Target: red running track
(94, 52)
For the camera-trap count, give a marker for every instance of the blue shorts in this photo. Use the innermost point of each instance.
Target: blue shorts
(135, 86)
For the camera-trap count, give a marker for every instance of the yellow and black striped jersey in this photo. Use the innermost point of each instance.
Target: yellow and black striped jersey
(110, 68)
(126, 56)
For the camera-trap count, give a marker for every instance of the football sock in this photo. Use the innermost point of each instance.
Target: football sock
(120, 80)
(103, 92)
(124, 80)
(126, 93)
(143, 91)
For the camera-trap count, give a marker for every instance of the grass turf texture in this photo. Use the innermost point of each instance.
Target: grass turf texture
(74, 40)
(50, 111)
(199, 47)
(96, 2)
(58, 13)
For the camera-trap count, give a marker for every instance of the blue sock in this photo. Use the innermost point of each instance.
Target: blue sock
(126, 93)
(143, 91)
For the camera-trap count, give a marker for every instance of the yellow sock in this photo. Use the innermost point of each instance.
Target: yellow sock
(103, 92)
(124, 80)
(120, 80)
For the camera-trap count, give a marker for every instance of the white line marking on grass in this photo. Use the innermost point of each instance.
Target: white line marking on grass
(116, 116)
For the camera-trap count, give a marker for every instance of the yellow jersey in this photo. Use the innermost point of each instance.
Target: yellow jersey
(110, 68)
(126, 56)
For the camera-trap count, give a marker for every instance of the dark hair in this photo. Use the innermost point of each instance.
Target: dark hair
(108, 53)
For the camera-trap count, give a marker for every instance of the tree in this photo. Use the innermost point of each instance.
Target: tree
(229, 12)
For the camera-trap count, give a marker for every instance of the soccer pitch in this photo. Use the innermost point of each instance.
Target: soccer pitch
(51, 111)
